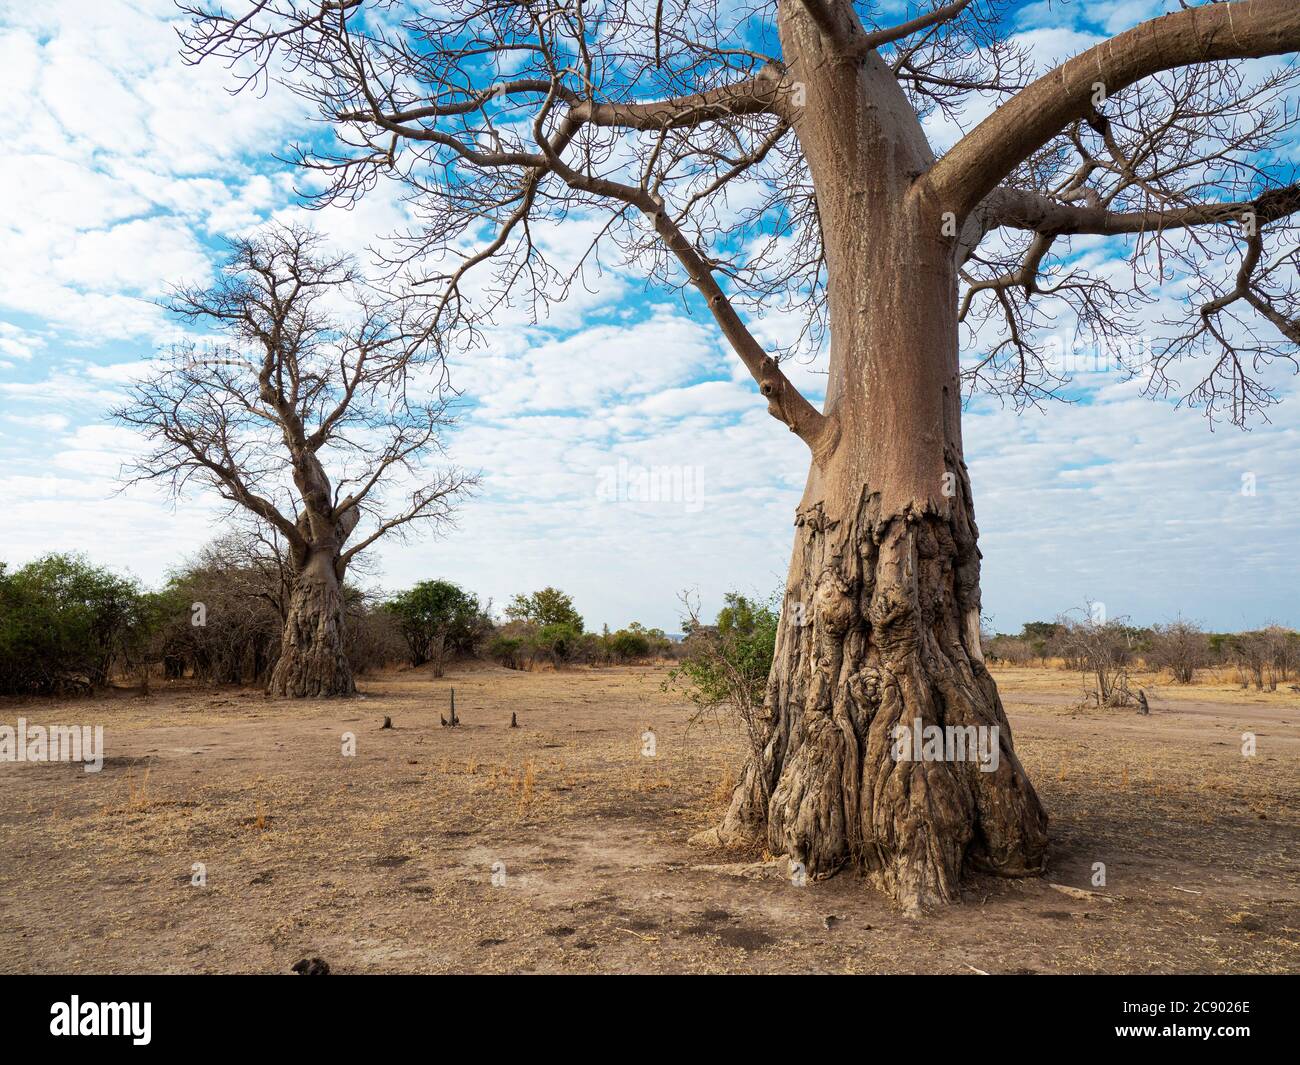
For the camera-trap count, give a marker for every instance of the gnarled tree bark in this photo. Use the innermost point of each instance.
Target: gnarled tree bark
(880, 626)
(313, 661)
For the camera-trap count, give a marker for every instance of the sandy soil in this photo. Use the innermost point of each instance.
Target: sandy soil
(385, 861)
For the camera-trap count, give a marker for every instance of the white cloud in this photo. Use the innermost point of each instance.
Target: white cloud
(50, 423)
(136, 256)
(120, 162)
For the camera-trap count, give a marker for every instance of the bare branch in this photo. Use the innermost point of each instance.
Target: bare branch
(295, 381)
(880, 38)
(986, 155)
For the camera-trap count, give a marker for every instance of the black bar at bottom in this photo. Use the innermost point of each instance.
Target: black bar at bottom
(207, 1014)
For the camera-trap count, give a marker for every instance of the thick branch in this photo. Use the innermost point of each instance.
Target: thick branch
(757, 95)
(1031, 118)
(784, 401)
(1022, 209)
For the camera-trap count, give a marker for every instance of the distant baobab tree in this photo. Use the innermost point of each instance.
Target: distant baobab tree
(772, 156)
(305, 418)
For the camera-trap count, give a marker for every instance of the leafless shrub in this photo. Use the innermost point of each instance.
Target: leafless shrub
(1008, 650)
(1103, 652)
(1181, 647)
(372, 641)
(1265, 656)
(227, 610)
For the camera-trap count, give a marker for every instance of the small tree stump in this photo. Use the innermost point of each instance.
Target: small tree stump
(454, 719)
(388, 723)
(1143, 708)
(514, 721)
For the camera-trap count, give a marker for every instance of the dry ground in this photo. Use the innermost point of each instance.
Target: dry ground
(384, 861)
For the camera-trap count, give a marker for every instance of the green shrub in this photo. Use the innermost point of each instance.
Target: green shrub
(437, 618)
(508, 650)
(66, 625)
(548, 607)
(561, 641)
(725, 665)
(626, 644)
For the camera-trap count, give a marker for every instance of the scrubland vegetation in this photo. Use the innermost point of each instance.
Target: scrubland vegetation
(68, 625)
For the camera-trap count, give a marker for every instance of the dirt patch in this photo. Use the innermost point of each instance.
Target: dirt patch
(230, 834)
(745, 938)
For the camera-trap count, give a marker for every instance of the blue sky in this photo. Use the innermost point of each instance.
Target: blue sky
(124, 170)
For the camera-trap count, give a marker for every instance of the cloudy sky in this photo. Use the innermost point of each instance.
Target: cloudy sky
(124, 170)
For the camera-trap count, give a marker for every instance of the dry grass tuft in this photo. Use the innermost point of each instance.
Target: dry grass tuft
(724, 787)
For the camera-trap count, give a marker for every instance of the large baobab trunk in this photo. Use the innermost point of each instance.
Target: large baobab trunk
(312, 659)
(880, 629)
(880, 626)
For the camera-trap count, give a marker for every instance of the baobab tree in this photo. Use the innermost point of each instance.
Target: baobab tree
(314, 370)
(772, 155)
